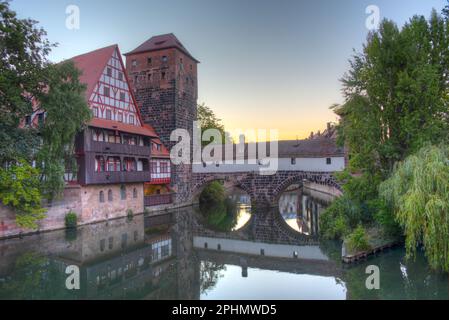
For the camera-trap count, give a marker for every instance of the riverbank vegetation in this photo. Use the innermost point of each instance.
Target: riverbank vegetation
(43, 107)
(395, 124)
(219, 211)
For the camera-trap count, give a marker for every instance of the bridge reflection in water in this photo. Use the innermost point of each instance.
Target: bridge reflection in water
(175, 256)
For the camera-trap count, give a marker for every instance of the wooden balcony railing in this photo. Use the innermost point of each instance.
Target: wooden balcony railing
(117, 148)
(158, 199)
(118, 177)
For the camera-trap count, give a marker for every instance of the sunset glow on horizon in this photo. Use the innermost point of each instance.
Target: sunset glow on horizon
(264, 64)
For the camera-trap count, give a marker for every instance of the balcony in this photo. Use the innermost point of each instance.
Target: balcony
(158, 199)
(119, 177)
(118, 148)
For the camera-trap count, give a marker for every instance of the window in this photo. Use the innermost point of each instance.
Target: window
(102, 244)
(122, 96)
(120, 117)
(95, 112)
(28, 120)
(149, 77)
(110, 198)
(136, 236)
(163, 75)
(108, 114)
(134, 63)
(111, 243)
(164, 167)
(124, 240)
(136, 79)
(114, 164)
(191, 67)
(328, 161)
(120, 76)
(106, 91)
(131, 119)
(99, 164)
(149, 61)
(293, 161)
(41, 119)
(109, 72)
(101, 196)
(123, 192)
(164, 59)
(134, 193)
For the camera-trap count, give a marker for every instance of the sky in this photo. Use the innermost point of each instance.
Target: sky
(265, 64)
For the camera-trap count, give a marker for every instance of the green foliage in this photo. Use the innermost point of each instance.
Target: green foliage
(71, 220)
(66, 114)
(418, 192)
(20, 190)
(208, 120)
(221, 216)
(358, 240)
(213, 193)
(23, 58)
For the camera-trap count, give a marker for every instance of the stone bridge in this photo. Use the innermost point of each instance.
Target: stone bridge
(264, 190)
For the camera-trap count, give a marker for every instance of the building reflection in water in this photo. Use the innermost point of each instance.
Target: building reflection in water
(173, 256)
(301, 208)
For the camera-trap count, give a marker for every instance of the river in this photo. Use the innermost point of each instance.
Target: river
(187, 254)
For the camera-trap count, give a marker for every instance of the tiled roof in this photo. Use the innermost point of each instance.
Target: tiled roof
(123, 127)
(163, 153)
(315, 148)
(164, 41)
(92, 65)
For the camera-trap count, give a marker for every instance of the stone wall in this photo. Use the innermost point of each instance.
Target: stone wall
(85, 202)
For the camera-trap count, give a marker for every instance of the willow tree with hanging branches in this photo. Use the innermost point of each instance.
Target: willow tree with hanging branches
(418, 192)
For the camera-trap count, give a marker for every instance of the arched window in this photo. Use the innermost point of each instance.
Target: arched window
(110, 195)
(134, 193)
(123, 192)
(101, 196)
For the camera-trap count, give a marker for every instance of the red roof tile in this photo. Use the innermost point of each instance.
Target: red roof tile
(123, 127)
(164, 41)
(92, 65)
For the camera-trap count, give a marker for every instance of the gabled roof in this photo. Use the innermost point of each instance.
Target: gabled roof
(92, 65)
(164, 41)
(163, 153)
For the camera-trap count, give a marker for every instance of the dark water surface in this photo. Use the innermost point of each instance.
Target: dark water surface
(180, 255)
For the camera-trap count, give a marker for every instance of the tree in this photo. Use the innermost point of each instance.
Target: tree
(66, 114)
(28, 81)
(23, 58)
(208, 120)
(395, 103)
(418, 193)
(20, 190)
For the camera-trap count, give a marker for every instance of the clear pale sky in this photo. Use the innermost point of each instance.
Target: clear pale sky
(265, 64)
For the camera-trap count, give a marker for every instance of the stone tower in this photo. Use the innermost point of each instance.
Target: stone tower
(163, 76)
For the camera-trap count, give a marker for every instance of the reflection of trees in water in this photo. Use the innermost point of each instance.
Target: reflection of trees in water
(228, 214)
(210, 273)
(399, 279)
(35, 277)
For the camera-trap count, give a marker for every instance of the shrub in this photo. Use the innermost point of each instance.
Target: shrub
(212, 194)
(71, 220)
(129, 213)
(358, 240)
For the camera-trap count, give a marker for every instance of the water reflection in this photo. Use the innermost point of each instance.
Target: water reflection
(232, 214)
(300, 208)
(174, 256)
